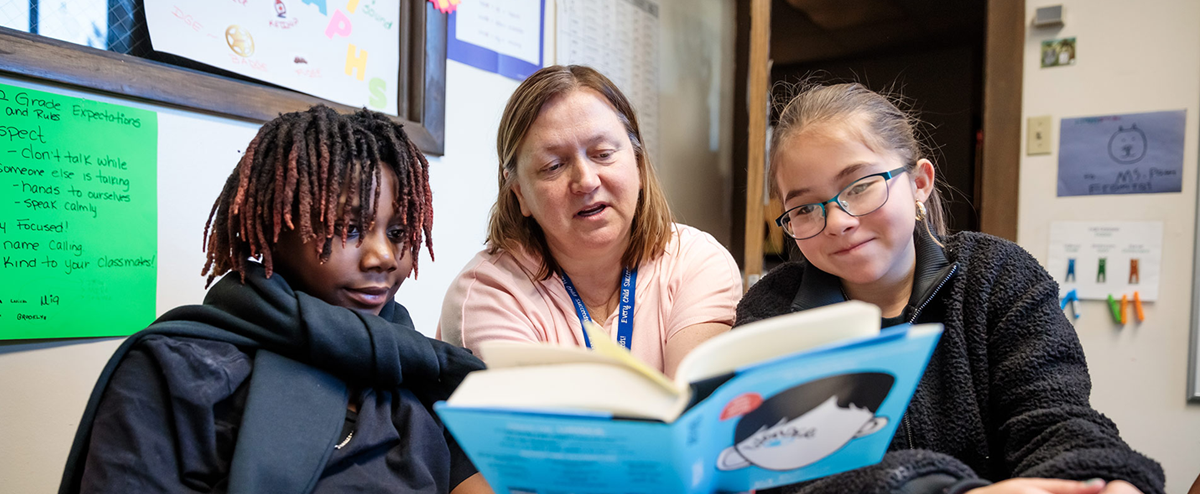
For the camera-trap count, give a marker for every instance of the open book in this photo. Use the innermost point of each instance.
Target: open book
(771, 403)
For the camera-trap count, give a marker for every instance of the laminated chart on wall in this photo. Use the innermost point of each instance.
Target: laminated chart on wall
(78, 216)
(620, 39)
(346, 51)
(1102, 258)
(500, 36)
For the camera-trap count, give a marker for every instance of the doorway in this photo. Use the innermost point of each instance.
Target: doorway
(932, 53)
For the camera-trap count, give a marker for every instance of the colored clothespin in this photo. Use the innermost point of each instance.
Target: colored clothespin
(1101, 277)
(1112, 307)
(1133, 272)
(1124, 302)
(1072, 298)
(1070, 270)
(1137, 307)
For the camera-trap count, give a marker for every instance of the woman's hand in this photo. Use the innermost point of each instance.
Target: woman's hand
(1120, 487)
(685, 340)
(1049, 486)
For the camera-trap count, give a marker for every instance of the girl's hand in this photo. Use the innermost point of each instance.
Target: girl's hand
(1050, 486)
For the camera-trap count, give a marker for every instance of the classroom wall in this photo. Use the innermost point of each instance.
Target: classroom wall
(1130, 58)
(44, 385)
(695, 112)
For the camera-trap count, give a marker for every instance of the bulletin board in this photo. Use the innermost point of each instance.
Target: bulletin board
(123, 61)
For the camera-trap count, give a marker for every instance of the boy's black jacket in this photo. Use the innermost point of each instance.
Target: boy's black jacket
(1006, 392)
(266, 315)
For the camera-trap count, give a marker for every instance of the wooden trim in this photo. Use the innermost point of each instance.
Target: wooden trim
(404, 69)
(428, 89)
(760, 45)
(999, 176)
(45, 59)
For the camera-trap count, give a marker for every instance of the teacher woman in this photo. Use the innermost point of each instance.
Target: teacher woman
(581, 230)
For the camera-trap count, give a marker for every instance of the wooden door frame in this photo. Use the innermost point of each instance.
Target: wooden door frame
(999, 174)
(758, 83)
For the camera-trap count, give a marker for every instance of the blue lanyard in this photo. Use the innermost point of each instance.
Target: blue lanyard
(624, 318)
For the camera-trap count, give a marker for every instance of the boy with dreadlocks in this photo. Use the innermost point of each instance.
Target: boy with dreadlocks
(299, 373)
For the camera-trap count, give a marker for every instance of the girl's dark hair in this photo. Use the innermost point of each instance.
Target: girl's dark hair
(293, 176)
(889, 127)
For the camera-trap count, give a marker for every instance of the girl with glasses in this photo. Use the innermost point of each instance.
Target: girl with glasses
(1003, 405)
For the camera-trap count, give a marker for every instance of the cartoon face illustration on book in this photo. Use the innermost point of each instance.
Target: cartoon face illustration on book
(806, 423)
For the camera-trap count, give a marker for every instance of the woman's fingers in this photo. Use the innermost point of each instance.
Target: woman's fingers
(1044, 486)
(1120, 487)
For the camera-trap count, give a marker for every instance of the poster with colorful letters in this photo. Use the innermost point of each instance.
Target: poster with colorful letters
(346, 51)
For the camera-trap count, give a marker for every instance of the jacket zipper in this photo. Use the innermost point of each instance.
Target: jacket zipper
(916, 313)
(928, 299)
(908, 432)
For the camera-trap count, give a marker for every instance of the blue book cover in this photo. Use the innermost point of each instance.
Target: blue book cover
(775, 422)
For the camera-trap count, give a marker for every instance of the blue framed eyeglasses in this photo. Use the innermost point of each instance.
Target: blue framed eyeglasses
(862, 197)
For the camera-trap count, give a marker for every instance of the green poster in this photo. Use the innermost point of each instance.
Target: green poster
(78, 216)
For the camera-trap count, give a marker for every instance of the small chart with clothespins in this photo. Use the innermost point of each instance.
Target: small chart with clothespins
(1099, 259)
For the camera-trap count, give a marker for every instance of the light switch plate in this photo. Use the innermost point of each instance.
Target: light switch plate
(1038, 138)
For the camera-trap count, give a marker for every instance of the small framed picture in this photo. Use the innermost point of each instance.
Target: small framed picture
(1058, 52)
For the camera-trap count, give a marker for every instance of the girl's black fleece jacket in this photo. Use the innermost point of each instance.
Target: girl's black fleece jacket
(1006, 392)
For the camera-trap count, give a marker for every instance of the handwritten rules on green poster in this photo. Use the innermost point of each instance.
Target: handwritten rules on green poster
(78, 216)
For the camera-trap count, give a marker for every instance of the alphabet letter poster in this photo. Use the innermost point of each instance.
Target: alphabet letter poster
(78, 218)
(346, 51)
(1136, 153)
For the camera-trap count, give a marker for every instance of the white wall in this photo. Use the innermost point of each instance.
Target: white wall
(464, 186)
(1132, 57)
(696, 112)
(45, 385)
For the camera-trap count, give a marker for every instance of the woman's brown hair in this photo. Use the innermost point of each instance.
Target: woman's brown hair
(511, 231)
(890, 128)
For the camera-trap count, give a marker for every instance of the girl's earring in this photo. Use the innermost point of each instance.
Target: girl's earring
(920, 211)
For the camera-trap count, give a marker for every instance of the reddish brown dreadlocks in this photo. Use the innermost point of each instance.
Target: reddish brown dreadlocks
(298, 167)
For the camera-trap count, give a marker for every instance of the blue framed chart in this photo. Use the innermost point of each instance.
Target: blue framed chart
(501, 36)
